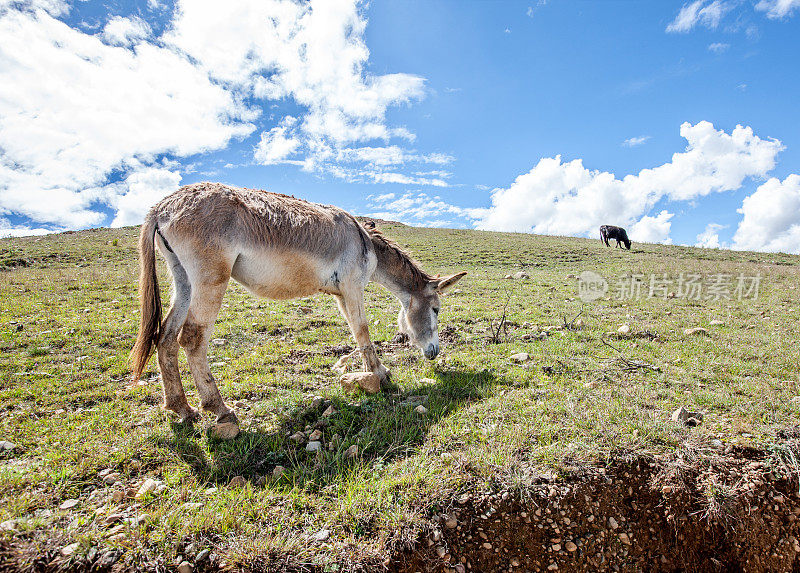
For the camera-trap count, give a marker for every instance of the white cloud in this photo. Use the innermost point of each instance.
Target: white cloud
(420, 209)
(275, 146)
(650, 229)
(568, 199)
(126, 31)
(778, 8)
(558, 198)
(141, 189)
(718, 47)
(771, 217)
(9, 230)
(709, 238)
(636, 141)
(74, 109)
(700, 12)
(77, 107)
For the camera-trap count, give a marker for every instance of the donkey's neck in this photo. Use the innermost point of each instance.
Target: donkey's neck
(396, 271)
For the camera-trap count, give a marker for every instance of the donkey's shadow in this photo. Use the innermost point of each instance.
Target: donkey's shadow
(384, 427)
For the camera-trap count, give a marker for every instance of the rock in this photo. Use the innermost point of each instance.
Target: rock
(556, 547)
(149, 486)
(351, 452)
(520, 357)
(317, 401)
(315, 436)
(427, 381)
(313, 446)
(487, 545)
(192, 505)
(219, 342)
(114, 518)
(237, 481)
(625, 329)
(623, 537)
(225, 431)
(69, 504)
(6, 446)
(367, 381)
(590, 385)
(330, 411)
(298, 437)
(514, 562)
(578, 323)
(421, 410)
(185, 567)
(277, 471)
(322, 535)
(441, 551)
(451, 522)
(570, 546)
(612, 523)
(68, 550)
(8, 525)
(697, 331)
(717, 323)
(687, 418)
(520, 275)
(111, 479)
(202, 556)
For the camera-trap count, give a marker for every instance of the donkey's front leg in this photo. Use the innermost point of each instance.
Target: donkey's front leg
(351, 305)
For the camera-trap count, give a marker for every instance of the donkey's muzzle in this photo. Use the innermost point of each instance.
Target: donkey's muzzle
(431, 351)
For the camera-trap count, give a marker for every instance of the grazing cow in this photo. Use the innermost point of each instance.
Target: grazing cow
(618, 233)
(277, 247)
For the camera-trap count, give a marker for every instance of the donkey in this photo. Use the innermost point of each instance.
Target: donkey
(277, 247)
(611, 232)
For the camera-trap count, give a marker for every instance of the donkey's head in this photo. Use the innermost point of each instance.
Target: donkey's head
(419, 316)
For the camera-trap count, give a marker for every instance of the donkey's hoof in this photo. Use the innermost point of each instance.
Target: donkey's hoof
(369, 382)
(225, 431)
(186, 416)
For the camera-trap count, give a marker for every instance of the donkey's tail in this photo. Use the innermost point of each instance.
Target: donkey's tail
(149, 299)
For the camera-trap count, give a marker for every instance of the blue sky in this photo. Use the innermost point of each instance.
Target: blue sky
(528, 116)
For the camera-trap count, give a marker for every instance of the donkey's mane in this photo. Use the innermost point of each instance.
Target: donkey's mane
(397, 257)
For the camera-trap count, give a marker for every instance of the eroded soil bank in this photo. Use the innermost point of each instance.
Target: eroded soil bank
(728, 510)
(702, 509)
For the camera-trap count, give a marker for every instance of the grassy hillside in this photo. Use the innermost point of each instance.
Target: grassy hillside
(587, 394)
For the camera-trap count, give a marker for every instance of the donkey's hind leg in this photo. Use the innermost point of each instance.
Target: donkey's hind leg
(174, 396)
(194, 338)
(351, 304)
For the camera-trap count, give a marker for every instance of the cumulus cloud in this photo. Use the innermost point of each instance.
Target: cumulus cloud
(650, 229)
(709, 238)
(566, 198)
(776, 9)
(79, 110)
(771, 217)
(699, 13)
(74, 109)
(133, 197)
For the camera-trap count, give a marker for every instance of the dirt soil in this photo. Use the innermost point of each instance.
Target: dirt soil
(732, 510)
(701, 510)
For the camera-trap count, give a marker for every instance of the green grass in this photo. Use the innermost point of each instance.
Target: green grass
(585, 396)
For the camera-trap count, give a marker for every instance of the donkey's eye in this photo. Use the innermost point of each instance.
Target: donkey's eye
(435, 311)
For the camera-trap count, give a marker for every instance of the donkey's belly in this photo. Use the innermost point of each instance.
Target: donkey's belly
(281, 274)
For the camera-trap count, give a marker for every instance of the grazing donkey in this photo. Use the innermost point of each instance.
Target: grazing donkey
(278, 247)
(611, 232)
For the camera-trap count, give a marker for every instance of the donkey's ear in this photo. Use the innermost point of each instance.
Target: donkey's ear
(444, 283)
